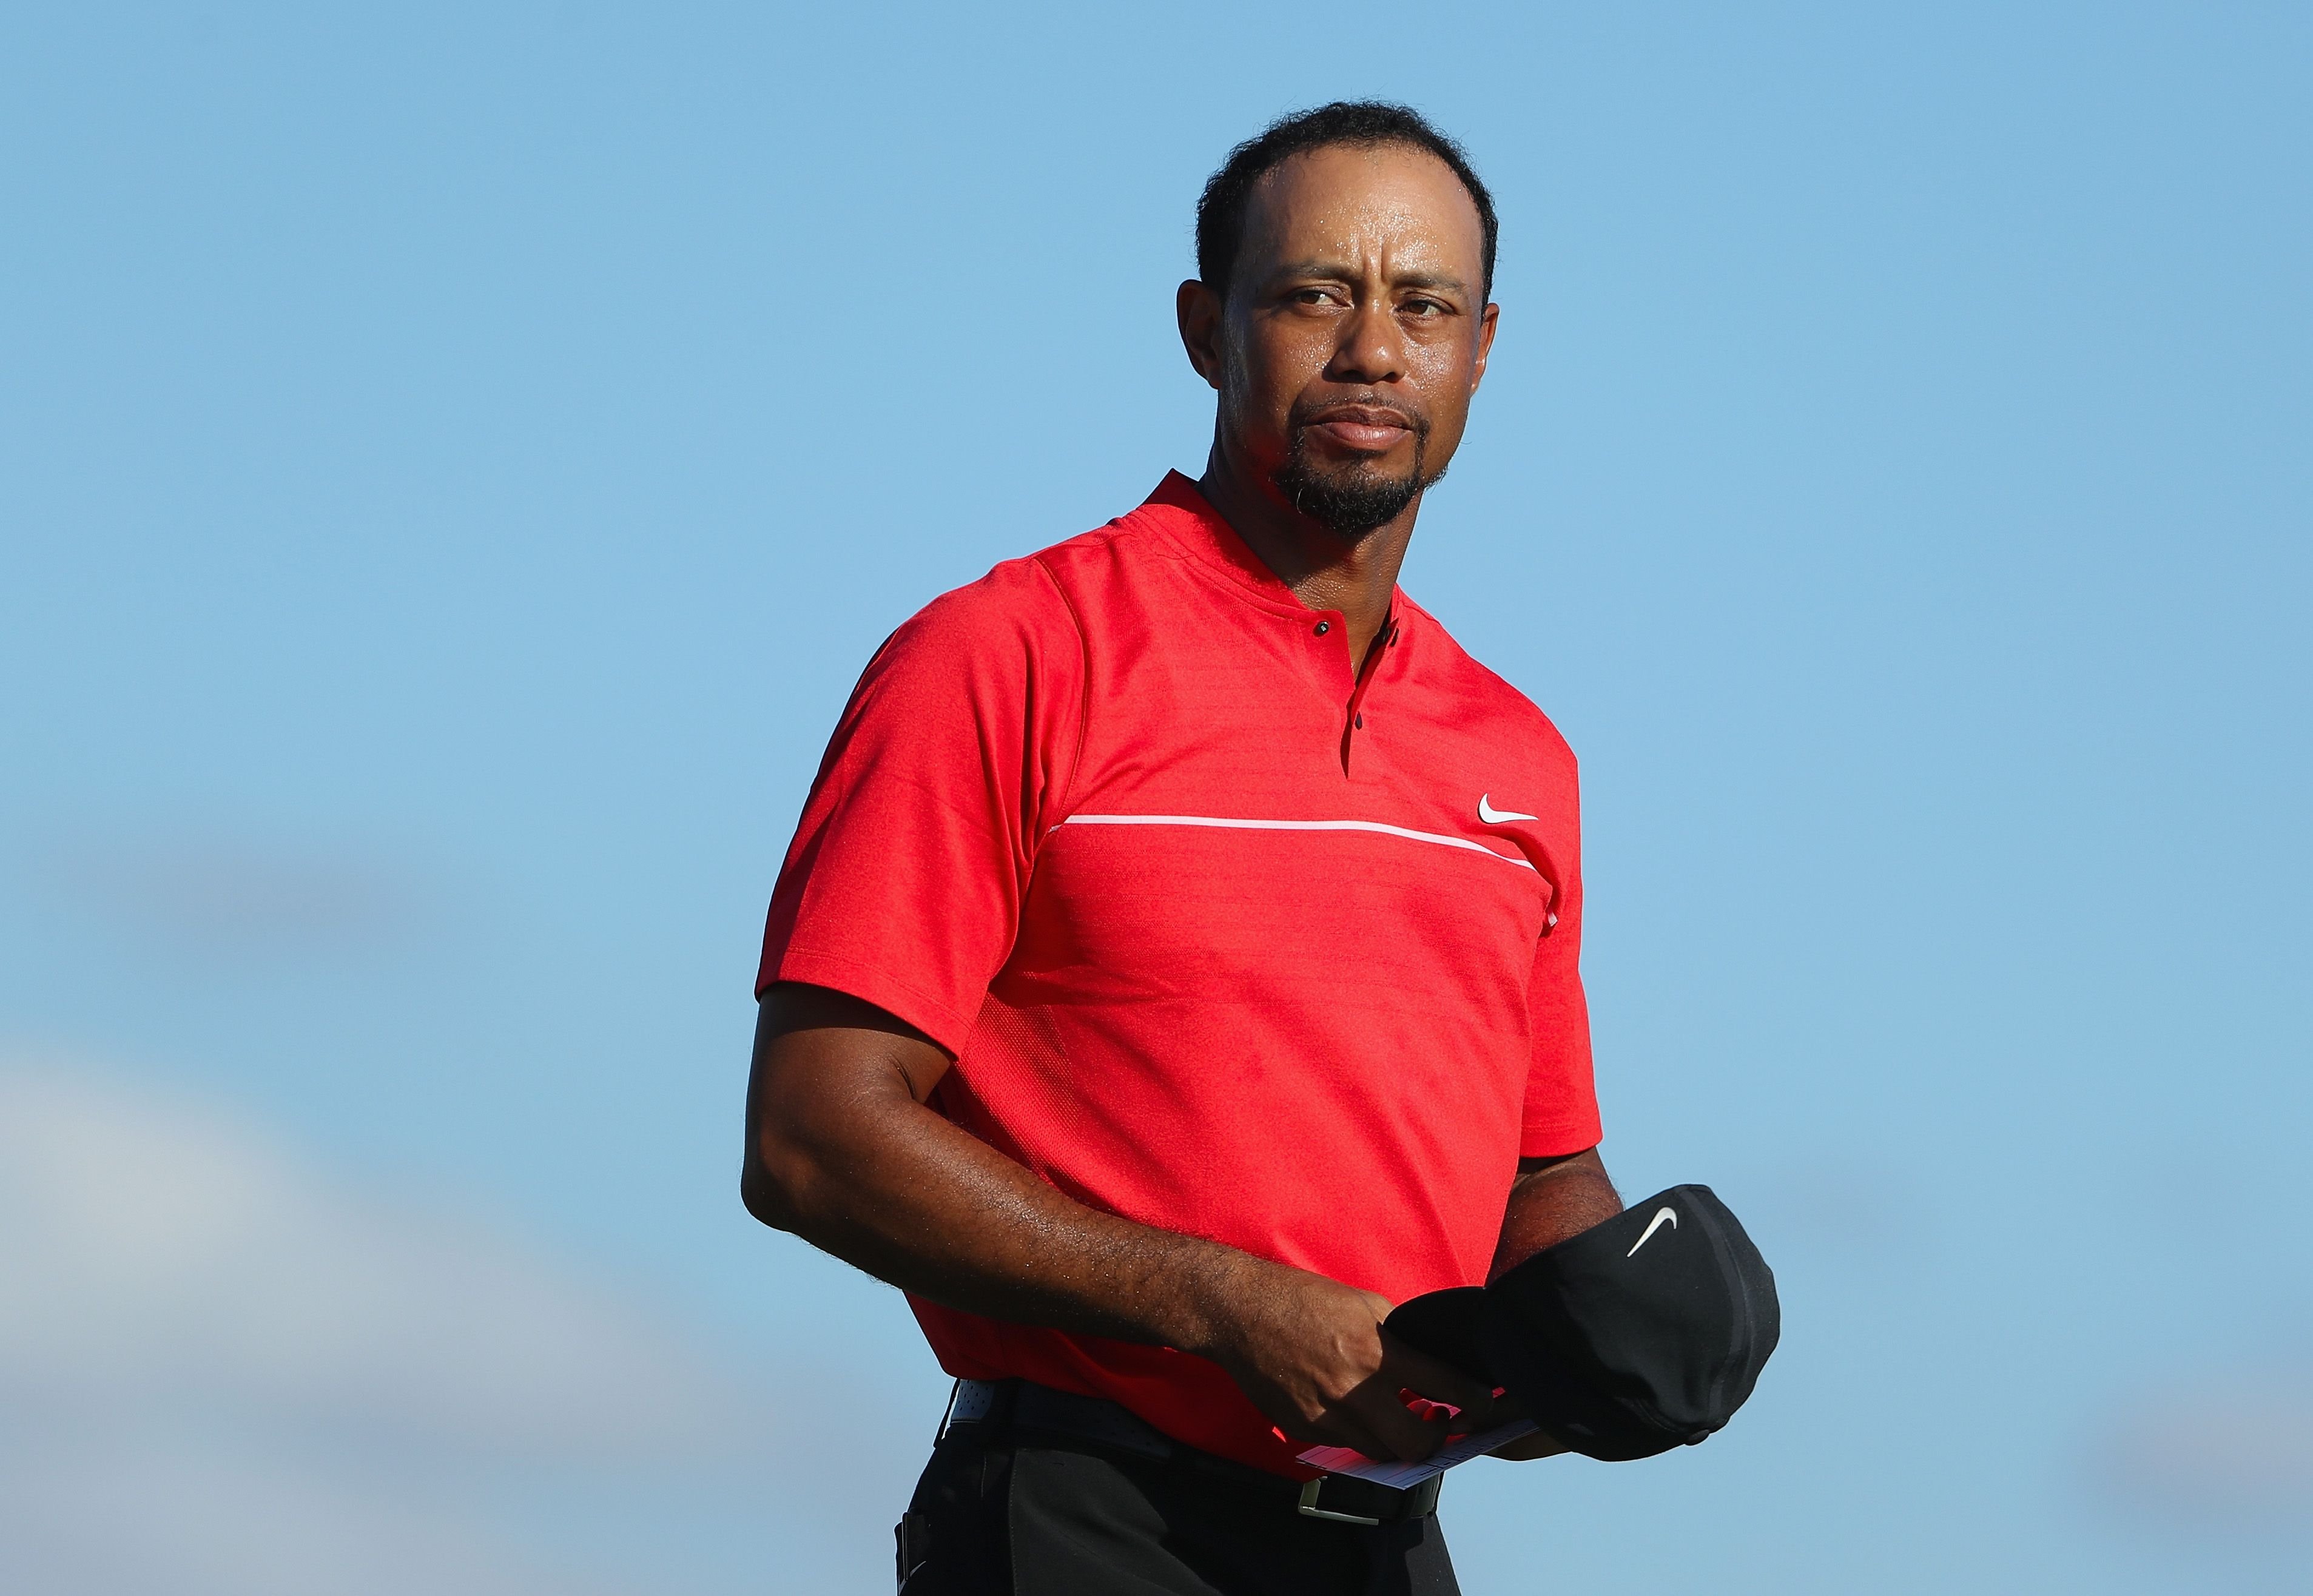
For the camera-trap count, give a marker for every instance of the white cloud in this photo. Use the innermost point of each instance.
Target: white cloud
(156, 1246)
(224, 1371)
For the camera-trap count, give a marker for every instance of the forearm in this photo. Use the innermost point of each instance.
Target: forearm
(901, 1193)
(1551, 1200)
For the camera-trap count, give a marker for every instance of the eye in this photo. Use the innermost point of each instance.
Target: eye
(1311, 295)
(1424, 307)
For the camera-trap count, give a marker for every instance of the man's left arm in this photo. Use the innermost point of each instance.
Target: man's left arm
(1551, 1199)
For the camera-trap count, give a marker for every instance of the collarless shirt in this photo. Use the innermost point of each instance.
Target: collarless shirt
(1225, 937)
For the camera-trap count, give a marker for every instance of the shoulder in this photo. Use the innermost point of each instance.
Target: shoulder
(1041, 599)
(1041, 587)
(1484, 700)
(1120, 552)
(1015, 610)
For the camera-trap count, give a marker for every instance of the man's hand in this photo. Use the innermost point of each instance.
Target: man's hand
(1311, 1355)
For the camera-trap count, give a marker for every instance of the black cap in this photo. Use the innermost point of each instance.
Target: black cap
(1641, 1334)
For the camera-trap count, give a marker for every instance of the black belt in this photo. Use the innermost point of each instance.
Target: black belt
(991, 1409)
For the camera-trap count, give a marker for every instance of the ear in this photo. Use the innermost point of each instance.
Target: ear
(1198, 311)
(1487, 320)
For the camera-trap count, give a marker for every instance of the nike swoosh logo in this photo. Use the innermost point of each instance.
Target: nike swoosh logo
(1491, 816)
(1652, 1225)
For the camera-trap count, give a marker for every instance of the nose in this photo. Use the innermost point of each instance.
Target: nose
(1371, 348)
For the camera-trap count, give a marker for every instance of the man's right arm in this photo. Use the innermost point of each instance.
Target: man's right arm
(842, 1151)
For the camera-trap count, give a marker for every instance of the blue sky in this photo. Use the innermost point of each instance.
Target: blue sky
(454, 462)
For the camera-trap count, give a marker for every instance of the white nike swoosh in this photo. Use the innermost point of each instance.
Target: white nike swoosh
(1652, 1225)
(1491, 816)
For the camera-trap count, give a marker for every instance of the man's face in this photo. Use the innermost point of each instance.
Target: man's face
(1354, 332)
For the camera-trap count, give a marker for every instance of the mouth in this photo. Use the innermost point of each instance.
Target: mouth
(1361, 429)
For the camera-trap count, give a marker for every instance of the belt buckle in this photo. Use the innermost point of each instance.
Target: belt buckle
(1308, 1506)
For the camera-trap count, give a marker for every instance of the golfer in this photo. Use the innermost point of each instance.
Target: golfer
(1175, 964)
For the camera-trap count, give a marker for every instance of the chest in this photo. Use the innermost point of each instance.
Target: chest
(1256, 823)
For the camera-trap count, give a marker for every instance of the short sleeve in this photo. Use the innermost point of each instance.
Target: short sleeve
(1561, 1097)
(904, 885)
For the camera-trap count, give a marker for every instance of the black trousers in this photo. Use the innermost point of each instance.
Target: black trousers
(1005, 1518)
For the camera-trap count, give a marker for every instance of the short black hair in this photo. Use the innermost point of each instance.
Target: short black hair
(1220, 211)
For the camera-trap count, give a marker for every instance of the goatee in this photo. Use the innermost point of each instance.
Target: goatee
(1350, 501)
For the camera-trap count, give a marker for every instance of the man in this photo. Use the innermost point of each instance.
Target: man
(1177, 962)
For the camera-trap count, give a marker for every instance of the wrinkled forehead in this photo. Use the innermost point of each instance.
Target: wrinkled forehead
(1393, 207)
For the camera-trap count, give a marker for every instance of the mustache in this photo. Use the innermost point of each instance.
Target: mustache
(1374, 411)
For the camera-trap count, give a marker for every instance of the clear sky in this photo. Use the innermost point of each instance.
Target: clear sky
(453, 461)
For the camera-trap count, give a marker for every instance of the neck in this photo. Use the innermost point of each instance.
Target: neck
(1324, 569)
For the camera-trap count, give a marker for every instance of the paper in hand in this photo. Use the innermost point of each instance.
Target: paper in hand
(1400, 1477)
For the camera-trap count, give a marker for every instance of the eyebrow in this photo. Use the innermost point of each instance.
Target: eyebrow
(1337, 270)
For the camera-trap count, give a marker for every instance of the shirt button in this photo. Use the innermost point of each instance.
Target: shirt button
(1323, 627)
(1361, 723)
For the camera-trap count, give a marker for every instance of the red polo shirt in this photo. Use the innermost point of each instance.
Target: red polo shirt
(1224, 940)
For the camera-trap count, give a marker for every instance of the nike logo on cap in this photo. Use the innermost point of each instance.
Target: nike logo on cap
(1653, 1225)
(1490, 815)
